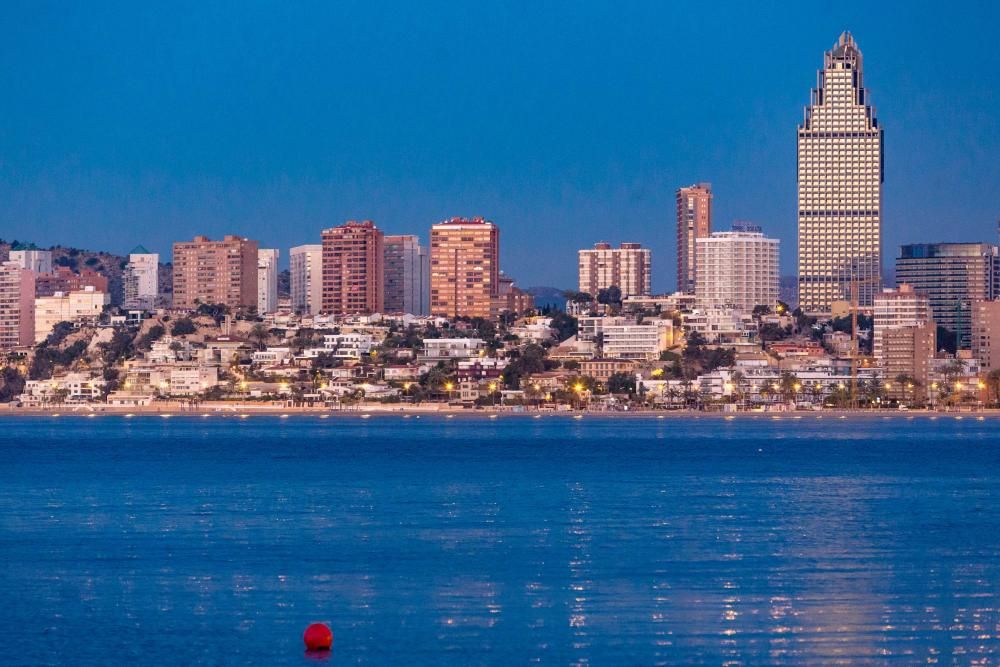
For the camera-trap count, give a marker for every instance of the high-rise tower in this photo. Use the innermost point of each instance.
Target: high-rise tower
(694, 221)
(840, 173)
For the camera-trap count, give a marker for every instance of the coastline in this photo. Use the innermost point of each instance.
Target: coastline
(246, 410)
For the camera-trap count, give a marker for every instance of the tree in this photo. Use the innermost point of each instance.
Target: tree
(261, 334)
(13, 384)
(621, 383)
(993, 386)
(183, 327)
(565, 326)
(789, 386)
(155, 333)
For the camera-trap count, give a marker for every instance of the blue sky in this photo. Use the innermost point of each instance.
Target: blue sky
(566, 123)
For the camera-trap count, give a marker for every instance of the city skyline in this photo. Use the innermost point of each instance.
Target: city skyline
(77, 172)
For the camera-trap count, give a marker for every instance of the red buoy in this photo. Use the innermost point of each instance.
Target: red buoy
(318, 637)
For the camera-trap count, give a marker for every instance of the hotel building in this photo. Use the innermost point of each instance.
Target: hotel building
(353, 278)
(628, 267)
(219, 272)
(465, 271)
(694, 221)
(840, 173)
(894, 309)
(737, 269)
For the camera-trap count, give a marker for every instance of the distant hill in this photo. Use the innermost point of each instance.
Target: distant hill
(548, 296)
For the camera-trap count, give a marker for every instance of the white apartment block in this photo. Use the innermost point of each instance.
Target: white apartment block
(348, 345)
(83, 306)
(33, 259)
(736, 270)
(628, 267)
(642, 342)
(267, 280)
(445, 349)
(141, 279)
(897, 308)
(306, 268)
(840, 176)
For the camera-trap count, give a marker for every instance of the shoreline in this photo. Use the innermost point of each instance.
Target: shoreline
(244, 411)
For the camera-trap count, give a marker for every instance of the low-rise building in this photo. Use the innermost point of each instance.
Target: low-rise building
(643, 342)
(603, 369)
(84, 306)
(451, 349)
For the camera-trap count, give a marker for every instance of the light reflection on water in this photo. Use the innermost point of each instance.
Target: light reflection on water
(745, 541)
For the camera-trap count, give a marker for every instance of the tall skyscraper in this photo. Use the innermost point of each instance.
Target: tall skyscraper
(465, 268)
(353, 273)
(840, 173)
(220, 272)
(737, 269)
(141, 282)
(267, 280)
(628, 267)
(305, 263)
(953, 276)
(17, 305)
(406, 276)
(694, 221)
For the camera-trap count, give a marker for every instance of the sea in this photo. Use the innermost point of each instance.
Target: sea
(755, 540)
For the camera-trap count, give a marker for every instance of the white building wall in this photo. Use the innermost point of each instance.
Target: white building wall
(267, 280)
(306, 267)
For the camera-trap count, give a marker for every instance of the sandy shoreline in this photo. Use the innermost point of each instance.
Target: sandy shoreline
(241, 410)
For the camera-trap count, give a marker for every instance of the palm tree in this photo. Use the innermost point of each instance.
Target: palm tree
(993, 385)
(260, 334)
(789, 386)
(739, 380)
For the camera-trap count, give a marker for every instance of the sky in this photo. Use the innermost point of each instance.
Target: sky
(566, 123)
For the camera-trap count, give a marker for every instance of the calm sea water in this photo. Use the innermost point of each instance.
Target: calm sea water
(514, 541)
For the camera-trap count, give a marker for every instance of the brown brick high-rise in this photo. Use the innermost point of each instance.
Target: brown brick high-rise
(694, 221)
(220, 272)
(353, 278)
(465, 268)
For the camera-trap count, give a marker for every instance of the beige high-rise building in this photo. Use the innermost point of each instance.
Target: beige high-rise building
(894, 309)
(694, 221)
(840, 173)
(737, 269)
(628, 267)
(218, 272)
(353, 269)
(908, 351)
(986, 333)
(465, 268)
(305, 266)
(17, 305)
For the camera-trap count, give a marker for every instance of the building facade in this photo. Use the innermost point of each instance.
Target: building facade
(953, 276)
(353, 273)
(407, 276)
(986, 333)
(465, 268)
(305, 265)
(628, 267)
(215, 272)
(840, 173)
(897, 308)
(32, 258)
(267, 280)
(17, 306)
(83, 306)
(694, 221)
(737, 269)
(908, 351)
(141, 282)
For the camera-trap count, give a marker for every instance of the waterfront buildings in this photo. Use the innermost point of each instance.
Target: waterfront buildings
(465, 268)
(953, 276)
(694, 221)
(31, 258)
(17, 305)
(267, 280)
(986, 333)
(80, 306)
(628, 267)
(141, 282)
(215, 272)
(353, 273)
(907, 351)
(407, 276)
(305, 263)
(897, 308)
(840, 173)
(637, 342)
(737, 269)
